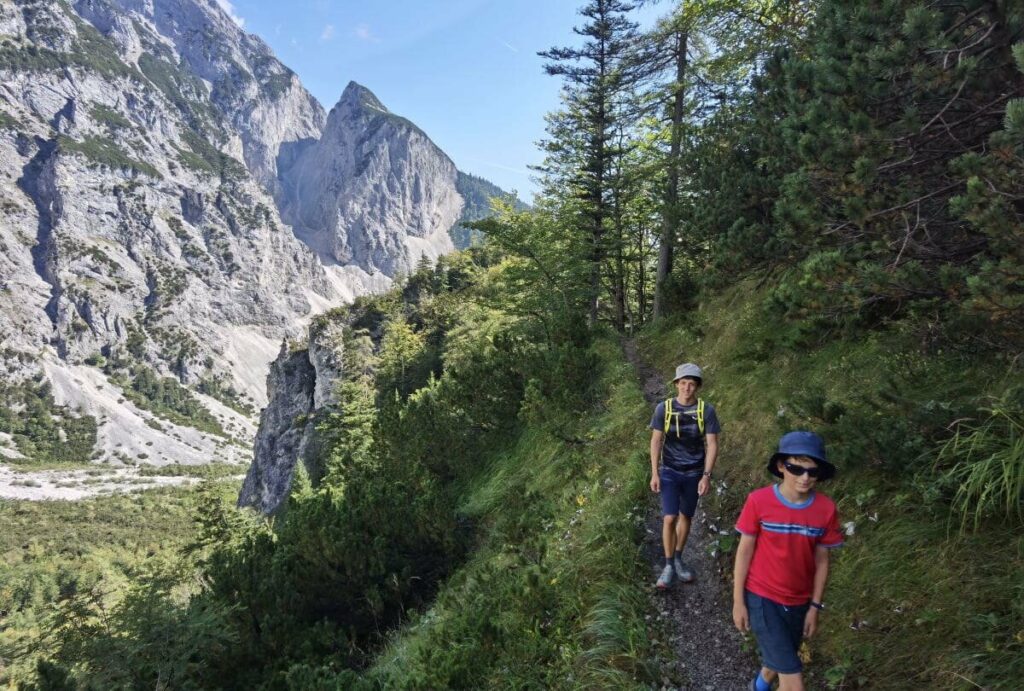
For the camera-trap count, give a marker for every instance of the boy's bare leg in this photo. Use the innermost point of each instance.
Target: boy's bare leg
(668, 534)
(682, 532)
(768, 674)
(791, 682)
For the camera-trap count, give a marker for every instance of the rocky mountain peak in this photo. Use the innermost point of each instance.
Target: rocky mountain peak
(374, 191)
(358, 97)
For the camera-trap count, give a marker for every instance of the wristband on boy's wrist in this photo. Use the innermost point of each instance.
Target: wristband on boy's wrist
(707, 473)
(817, 605)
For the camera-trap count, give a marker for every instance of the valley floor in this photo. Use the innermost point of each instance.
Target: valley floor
(44, 485)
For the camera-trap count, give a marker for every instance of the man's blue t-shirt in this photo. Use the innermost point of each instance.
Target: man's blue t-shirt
(684, 444)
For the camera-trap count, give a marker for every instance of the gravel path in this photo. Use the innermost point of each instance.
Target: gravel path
(708, 651)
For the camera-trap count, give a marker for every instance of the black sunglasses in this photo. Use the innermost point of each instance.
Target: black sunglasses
(799, 470)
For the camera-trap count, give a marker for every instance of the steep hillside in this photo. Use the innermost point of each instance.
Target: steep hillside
(927, 591)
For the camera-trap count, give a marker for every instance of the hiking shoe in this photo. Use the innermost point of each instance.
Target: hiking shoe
(666, 577)
(684, 572)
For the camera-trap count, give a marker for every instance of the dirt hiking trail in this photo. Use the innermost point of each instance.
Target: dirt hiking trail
(708, 651)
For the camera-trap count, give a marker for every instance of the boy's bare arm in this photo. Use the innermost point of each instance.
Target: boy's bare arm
(818, 592)
(657, 438)
(744, 554)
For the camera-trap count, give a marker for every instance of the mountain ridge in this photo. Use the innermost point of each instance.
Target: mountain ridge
(147, 229)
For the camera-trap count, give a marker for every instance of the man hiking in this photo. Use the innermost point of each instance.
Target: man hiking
(684, 440)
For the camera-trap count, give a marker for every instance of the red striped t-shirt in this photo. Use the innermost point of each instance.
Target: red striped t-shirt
(783, 565)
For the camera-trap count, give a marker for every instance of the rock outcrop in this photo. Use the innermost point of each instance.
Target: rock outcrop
(286, 428)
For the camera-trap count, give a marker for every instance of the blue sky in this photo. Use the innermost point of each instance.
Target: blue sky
(465, 71)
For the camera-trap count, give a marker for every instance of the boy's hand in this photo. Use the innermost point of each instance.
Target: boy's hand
(703, 486)
(810, 622)
(740, 617)
(655, 484)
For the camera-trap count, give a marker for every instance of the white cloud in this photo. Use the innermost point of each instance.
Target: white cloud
(328, 33)
(230, 10)
(363, 33)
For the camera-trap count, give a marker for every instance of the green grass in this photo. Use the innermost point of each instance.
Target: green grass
(913, 602)
(985, 463)
(554, 596)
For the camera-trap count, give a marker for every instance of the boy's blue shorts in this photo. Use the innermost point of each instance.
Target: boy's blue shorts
(678, 493)
(778, 630)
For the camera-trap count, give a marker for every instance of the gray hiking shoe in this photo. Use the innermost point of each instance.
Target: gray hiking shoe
(684, 572)
(666, 577)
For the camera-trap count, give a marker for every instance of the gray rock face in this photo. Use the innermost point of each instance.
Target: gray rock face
(128, 221)
(373, 191)
(173, 197)
(301, 384)
(327, 356)
(284, 431)
(263, 103)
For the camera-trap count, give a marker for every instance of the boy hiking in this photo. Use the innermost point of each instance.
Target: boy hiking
(684, 438)
(786, 531)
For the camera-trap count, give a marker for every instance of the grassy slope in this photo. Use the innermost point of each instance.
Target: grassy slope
(553, 596)
(50, 550)
(912, 601)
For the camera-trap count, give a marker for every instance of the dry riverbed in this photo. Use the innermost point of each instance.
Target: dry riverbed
(42, 485)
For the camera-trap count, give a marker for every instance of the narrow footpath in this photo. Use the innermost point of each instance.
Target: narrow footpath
(709, 653)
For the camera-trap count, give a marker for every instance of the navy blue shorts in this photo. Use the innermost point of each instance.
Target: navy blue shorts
(678, 493)
(778, 630)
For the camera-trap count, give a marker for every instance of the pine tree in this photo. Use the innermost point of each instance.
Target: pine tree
(581, 151)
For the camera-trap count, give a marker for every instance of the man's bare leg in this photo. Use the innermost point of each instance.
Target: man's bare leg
(668, 535)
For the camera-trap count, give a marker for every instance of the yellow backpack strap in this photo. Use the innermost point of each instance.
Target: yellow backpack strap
(700, 415)
(668, 415)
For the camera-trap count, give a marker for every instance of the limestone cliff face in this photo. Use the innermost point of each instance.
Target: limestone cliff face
(284, 433)
(173, 198)
(302, 383)
(373, 191)
(263, 103)
(139, 141)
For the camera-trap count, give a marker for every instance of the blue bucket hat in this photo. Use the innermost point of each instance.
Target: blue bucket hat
(800, 443)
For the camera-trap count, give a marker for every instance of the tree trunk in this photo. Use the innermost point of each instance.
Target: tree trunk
(670, 210)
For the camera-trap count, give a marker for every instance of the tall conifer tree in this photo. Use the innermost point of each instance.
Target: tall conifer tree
(581, 156)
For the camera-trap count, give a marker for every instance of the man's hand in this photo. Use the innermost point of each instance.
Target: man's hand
(655, 483)
(810, 622)
(740, 617)
(703, 486)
